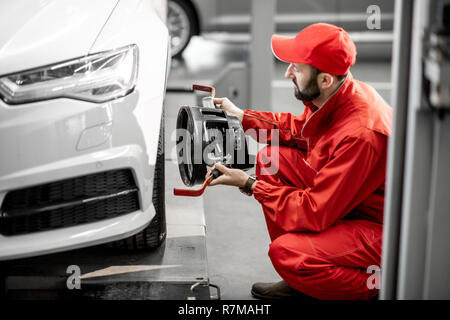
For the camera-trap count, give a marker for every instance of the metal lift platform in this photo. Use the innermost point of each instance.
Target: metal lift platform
(176, 270)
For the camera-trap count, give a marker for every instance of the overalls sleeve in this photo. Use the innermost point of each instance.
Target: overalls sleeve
(353, 173)
(263, 125)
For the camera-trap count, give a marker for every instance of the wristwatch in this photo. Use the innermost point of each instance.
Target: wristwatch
(247, 188)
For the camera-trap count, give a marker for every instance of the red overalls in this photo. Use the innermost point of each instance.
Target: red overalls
(324, 202)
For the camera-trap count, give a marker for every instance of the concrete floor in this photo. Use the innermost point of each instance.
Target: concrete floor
(236, 235)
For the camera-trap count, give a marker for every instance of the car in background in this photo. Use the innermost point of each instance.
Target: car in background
(187, 18)
(82, 84)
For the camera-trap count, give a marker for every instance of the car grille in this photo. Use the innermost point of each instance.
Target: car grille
(69, 202)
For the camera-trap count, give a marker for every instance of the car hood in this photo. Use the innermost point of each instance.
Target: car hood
(34, 33)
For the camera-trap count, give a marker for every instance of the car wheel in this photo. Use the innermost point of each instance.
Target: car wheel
(182, 24)
(155, 233)
(3, 284)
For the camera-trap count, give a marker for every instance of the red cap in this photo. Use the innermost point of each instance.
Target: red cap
(321, 45)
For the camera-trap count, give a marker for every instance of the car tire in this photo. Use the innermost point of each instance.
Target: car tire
(155, 233)
(182, 23)
(3, 283)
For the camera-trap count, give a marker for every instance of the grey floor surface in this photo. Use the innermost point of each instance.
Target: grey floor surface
(236, 235)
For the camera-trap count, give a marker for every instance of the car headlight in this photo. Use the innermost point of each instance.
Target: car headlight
(98, 77)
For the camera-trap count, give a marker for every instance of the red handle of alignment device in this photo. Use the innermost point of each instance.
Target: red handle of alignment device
(190, 192)
(195, 193)
(205, 88)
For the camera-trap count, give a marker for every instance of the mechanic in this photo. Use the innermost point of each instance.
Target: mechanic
(324, 204)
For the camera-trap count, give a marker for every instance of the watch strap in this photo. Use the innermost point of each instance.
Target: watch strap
(247, 188)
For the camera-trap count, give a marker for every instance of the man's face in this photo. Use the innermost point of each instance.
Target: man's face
(305, 81)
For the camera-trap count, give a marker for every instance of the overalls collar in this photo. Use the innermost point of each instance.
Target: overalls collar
(329, 107)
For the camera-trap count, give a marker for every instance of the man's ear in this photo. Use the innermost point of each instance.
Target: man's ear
(326, 80)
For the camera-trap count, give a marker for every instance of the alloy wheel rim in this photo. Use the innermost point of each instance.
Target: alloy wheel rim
(179, 27)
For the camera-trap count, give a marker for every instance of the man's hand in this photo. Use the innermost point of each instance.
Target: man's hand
(229, 177)
(229, 107)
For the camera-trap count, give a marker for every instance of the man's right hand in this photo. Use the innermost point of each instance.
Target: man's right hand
(229, 107)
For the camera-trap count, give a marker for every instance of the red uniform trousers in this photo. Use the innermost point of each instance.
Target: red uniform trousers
(327, 265)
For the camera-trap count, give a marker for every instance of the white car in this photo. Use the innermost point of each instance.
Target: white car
(82, 84)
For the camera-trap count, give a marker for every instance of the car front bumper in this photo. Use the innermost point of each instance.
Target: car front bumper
(60, 139)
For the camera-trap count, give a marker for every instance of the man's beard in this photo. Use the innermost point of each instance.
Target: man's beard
(310, 92)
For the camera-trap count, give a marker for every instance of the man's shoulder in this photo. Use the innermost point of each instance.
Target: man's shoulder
(364, 109)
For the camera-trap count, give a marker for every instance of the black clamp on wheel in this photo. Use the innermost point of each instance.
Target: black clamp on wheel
(205, 136)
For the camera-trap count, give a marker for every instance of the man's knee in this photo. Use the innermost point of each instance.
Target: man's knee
(286, 250)
(275, 249)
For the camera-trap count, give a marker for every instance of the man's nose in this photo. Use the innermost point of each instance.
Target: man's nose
(288, 74)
